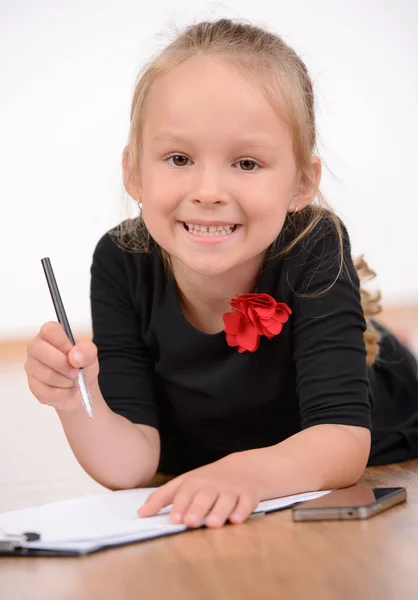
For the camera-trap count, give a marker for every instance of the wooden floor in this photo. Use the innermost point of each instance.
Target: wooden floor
(266, 558)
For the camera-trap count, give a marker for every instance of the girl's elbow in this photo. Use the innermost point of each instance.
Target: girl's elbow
(358, 452)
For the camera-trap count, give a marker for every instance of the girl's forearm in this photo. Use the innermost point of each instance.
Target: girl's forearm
(318, 458)
(110, 448)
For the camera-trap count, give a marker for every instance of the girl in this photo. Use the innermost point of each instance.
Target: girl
(236, 348)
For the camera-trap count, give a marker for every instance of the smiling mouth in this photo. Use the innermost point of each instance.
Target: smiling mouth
(209, 230)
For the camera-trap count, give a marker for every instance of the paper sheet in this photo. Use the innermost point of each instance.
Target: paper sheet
(91, 522)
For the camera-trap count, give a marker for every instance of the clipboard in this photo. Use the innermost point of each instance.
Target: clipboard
(89, 524)
(11, 545)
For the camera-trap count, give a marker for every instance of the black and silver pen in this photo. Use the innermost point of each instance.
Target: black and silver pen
(62, 318)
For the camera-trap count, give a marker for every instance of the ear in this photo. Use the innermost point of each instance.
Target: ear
(306, 190)
(130, 179)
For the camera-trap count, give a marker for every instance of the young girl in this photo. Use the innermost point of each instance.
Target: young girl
(233, 347)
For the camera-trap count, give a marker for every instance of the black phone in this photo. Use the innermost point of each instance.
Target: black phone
(354, 502)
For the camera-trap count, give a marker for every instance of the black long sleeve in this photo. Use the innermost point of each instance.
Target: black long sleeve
(205, 398)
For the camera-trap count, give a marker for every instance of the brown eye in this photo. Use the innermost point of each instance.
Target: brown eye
(179, 160)
(247, 165)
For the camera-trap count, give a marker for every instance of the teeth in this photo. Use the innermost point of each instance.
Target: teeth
(210, 231)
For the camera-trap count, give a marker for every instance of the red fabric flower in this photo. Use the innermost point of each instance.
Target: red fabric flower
(254, 315)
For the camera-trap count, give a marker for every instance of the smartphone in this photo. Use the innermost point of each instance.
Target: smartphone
(355, 502)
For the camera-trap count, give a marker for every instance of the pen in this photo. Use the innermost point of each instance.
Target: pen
(62, 318)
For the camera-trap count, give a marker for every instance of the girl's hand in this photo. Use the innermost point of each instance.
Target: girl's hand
(214, 493)
(52, 366)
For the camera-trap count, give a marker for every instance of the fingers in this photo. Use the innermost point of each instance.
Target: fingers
(245, 506)
(54, 333)
(51, 347)
(83, 354)
(191, 509)
(54, 378)
(160, 498)
(193, 506)
(223, 508)
(53, 364)
(212, 507)
(41, 354)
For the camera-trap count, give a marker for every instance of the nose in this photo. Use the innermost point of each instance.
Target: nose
(207, 189)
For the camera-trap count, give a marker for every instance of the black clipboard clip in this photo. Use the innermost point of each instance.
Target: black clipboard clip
(10, 543)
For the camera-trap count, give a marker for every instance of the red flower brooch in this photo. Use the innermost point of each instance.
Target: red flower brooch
(254, 315)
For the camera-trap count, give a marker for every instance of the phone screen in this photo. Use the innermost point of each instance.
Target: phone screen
(351, 497)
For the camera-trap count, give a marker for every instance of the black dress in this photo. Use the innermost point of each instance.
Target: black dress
(207, 400)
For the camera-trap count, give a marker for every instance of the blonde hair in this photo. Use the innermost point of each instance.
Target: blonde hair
(264, 58)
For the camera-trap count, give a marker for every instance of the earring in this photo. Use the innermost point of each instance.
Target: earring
(294, 212)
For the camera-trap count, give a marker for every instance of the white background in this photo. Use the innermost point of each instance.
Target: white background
(68, 71)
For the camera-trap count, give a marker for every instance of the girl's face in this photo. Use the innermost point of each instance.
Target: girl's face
(218, 173)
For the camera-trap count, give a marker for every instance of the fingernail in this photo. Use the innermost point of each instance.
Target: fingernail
(213, 520)
(73, 373)
(176, 517)
(77, 357)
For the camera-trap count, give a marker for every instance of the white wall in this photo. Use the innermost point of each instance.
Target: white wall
(67, 76)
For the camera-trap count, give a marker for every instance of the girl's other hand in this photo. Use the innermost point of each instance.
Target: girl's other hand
(212, 494)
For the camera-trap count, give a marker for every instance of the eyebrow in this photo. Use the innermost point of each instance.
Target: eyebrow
(168, 137)
(256, 141)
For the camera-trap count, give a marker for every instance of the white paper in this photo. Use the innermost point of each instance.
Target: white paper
(92, 522)
(287, 501)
